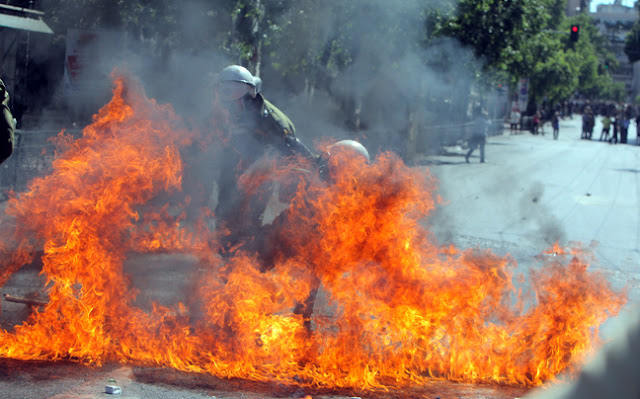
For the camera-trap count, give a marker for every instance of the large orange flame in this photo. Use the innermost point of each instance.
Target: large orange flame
(400, 309)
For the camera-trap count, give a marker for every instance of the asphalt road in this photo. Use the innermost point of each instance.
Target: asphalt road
(534, 190)
(531, 192)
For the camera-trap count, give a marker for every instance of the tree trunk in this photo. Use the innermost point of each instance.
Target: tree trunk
(247, 27)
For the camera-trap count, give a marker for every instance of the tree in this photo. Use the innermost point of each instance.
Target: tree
(590, 53)
(499, 31)
(352, 49)
(522, 39)
(556, 74)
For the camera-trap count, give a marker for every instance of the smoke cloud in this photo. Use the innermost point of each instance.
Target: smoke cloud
(394, 95)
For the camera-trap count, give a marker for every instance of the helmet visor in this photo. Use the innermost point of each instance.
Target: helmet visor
(232, 90)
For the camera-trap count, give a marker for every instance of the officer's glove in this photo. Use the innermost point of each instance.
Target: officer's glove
(322, 162)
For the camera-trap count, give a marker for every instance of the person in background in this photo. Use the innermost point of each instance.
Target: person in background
(7, 126)
(555, 124)
(626, 121)
(638, 127)
(537, 117)
(624, 129)
(615, 123)
(588, 121)
(606, 127)
(514, 120)
(479, 134)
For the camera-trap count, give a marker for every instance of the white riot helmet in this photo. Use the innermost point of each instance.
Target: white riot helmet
(341, 157)
(234, 82)
(351, 147)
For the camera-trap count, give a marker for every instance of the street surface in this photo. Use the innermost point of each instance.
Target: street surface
(531, 192)
(534, 190)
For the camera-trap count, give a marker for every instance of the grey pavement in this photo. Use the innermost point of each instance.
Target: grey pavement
(534, 191)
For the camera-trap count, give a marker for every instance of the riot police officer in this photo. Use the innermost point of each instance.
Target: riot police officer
(250, 127)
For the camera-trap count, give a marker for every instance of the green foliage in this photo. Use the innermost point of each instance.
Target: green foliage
(591, 54)
(312, 44)
(531, 39)
(555, 75)
(501, 32)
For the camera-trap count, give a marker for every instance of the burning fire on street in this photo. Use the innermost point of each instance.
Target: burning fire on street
(402, 309)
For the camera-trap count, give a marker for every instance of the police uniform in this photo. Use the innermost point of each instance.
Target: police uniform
(261, 128)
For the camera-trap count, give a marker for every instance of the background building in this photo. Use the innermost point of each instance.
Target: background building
(577, 6)
(615, 21)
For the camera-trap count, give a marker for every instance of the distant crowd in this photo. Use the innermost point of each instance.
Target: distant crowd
(616, 119)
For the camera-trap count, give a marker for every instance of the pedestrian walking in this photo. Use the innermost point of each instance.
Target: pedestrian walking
(555, 124)
(479, 134)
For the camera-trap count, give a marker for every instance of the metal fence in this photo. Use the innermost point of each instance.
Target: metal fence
(32, 157)
(434, 137)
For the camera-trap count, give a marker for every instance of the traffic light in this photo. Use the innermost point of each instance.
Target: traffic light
(574, 32)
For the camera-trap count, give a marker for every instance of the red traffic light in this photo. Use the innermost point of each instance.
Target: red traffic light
(573, 34)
